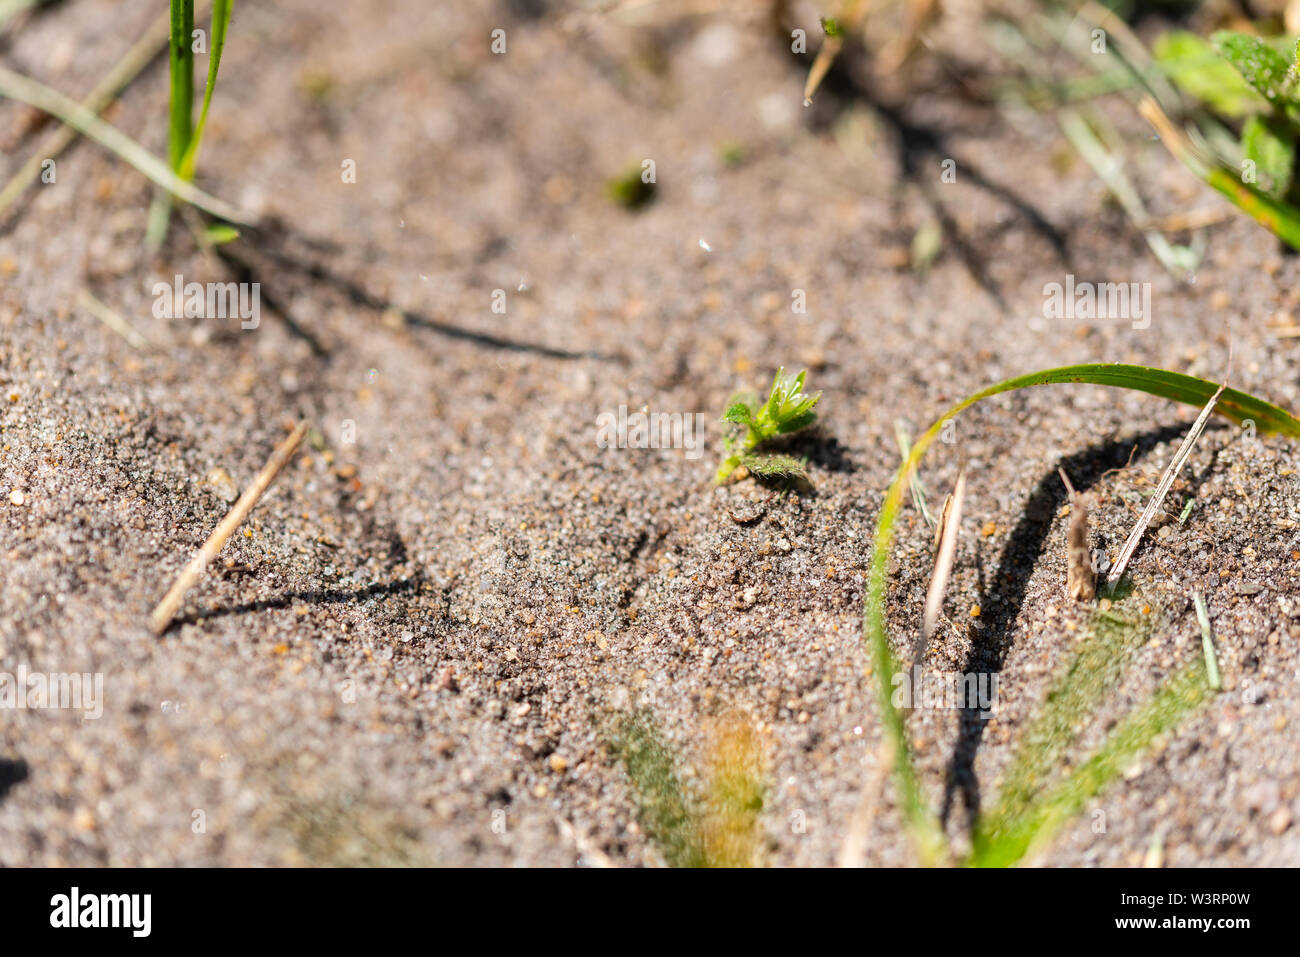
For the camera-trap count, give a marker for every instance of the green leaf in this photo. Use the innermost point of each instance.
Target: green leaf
(797, 422)
(1259, 64)
(1270, 143)
(1191, 63)
(738, 412)
(774, 466)
(1239, 406)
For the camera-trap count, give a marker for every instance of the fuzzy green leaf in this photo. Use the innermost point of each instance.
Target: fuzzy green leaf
(1194, 66)
(739, 413)
(1263, 67)
(1270, 143)
(774, 465)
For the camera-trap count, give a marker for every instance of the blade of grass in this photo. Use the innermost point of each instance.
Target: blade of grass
(1094, 671)
(1178, 260)
(1164, 710)
(112, 319)
(1166, 482)
(1236, 405)
(181, 61)
(221, 10)
(1207, 643)
(918, 488)
(180, 119)
(26, 90)
(1280, 218)
(661, 800)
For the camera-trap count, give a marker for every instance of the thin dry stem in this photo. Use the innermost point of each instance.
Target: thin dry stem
(171, 603)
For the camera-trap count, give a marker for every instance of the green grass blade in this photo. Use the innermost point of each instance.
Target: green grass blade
(220, 22)
(1279, 217)
(1095, 670)
(1275, 215)
(1035, 826)
(181, 58)
(1170, 385)
(664, 810)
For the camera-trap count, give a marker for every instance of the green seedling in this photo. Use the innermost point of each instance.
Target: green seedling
(183, 135)
(632, 190)
(786, 410)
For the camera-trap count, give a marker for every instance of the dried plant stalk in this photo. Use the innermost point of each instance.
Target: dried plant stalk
(1080, 581)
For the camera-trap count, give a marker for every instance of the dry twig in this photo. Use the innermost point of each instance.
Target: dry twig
(171, 603)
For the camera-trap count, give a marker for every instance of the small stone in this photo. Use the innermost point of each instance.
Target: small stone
(974, 611)
(1262, 796)
(558, 764)
(222, 484)
(16, 498)
(1280, 820)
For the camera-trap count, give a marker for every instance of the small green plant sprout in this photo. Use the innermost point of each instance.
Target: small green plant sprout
(635, 188)
(183, 135)
(786, 410)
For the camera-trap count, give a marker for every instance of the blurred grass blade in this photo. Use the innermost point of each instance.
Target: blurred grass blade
(1094, 672)
(220, 21)
(26, 90)
(661, 799)
(1235, 405)
(1207, 643)
(1165, 709)
(1280, 218)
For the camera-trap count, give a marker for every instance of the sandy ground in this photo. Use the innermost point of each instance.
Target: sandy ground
(418, 647)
